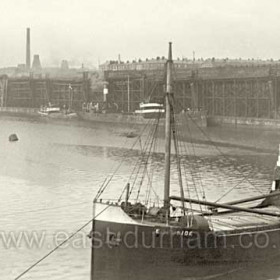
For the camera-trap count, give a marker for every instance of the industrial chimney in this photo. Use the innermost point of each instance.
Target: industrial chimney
(27, 65)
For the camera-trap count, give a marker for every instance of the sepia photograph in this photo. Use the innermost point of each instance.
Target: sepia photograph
(140, 140)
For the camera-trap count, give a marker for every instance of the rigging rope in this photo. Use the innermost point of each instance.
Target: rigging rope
(146, 163)
(142, 161)
(227, 158)
(191, 167)
(150, 178)
(183, 147)
(178, 160)
(228, 191)
(139, 165)
(199, 176)
(187, 116)
(185, 172)
(152, 172)
(105, 184)
(145, 155)
(195, 167)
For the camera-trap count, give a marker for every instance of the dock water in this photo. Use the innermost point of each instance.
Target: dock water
(49, 177)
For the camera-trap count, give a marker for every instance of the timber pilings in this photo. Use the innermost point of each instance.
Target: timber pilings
(33, 92)
(252, 95)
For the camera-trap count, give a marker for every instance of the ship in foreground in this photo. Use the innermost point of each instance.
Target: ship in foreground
(181, 237)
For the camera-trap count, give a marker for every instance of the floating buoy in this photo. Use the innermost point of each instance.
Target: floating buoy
(131, 134)
(13, 138)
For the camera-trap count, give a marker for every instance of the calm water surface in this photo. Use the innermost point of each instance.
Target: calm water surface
(50, 176)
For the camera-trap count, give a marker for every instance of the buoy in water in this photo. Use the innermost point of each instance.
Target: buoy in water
(131, 134)
(13, 138)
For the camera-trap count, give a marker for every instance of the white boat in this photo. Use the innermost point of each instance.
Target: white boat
(151, 110)
(48, 110)
(54, 111)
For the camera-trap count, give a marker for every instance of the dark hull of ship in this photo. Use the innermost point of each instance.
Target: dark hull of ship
(152, 115)
(121, 251)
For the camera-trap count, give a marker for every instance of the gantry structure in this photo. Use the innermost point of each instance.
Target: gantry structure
(238, 91)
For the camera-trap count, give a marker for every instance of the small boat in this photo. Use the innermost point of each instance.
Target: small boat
(55, 111)
(151, 110)
(179, 237)
(49, 110)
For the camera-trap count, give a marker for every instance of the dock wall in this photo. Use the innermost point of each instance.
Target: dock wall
(239, 121)
(229, 93)
(236, 92)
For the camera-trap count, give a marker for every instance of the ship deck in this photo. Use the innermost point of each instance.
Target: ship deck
(243, 220)
(221, 222)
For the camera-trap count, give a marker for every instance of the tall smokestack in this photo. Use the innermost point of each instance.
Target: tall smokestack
(28, 48)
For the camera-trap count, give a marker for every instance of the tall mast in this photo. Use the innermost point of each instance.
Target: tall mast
(168, 101)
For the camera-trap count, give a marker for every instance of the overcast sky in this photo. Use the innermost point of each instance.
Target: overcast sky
(85, 31)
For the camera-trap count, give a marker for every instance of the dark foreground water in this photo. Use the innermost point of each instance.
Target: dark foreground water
(50, 176)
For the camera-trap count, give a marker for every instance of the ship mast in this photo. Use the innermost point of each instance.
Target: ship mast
(168, 104)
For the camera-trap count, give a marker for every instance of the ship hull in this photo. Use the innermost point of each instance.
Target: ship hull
(58, 115)
(120, 249)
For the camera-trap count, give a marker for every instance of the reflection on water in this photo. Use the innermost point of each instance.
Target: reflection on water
(49, 178)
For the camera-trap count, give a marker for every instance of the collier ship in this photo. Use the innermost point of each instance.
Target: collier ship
(179, 238)
(105, 112)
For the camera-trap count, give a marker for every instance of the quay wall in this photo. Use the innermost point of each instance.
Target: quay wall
(18, 110)
(239, 121)
(230, 92)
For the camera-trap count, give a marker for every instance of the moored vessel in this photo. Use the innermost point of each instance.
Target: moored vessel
(151, 110)
(54, 111)
(180, 237)
(49, 110)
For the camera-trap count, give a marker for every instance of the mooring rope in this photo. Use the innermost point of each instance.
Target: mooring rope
(59, 245)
